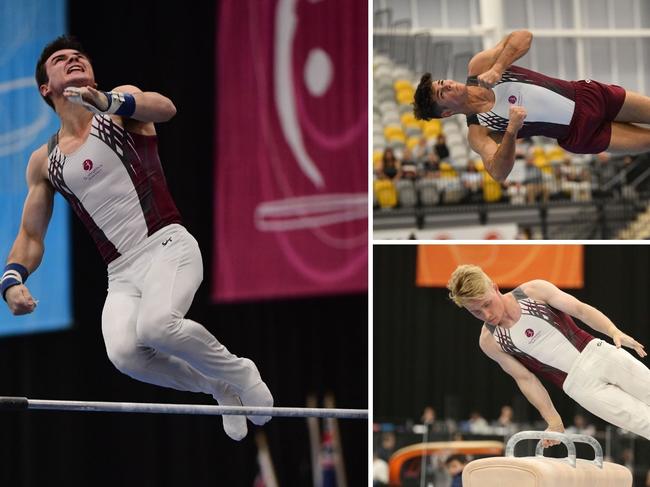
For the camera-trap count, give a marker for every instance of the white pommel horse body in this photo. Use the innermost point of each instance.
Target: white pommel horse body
(540, 471)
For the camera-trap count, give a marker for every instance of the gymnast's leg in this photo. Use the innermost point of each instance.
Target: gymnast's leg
(613, 385)
(168, 290)
(154, 367)
(635, 109)
(629, 139)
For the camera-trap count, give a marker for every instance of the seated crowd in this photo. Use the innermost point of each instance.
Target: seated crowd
(426, 176)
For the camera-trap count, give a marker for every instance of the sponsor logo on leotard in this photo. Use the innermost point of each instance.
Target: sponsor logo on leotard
(91, 169)
(167, 241)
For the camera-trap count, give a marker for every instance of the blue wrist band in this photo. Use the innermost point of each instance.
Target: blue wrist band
(127, 107)
(122, 104)
(13, 275)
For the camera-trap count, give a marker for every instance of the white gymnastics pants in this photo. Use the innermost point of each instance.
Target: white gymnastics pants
(613, 385)
(147, 337)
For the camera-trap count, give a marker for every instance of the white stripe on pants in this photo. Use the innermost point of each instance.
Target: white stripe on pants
(146, 334)
(613, 385)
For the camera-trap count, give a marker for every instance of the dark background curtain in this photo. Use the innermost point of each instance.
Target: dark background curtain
(301, 346)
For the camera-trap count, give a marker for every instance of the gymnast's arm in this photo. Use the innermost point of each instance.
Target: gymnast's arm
(527, 382)
(490, 64)
(150, 107)
(547, 292)
(28, 248)
(496, 150)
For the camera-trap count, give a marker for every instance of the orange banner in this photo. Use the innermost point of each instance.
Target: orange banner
(507, 265)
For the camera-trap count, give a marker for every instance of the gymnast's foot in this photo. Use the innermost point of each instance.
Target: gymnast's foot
(233, 425)
(256, 394)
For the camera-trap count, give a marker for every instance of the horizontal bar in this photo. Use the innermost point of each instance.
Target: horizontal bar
(22, 403)
(547, 33)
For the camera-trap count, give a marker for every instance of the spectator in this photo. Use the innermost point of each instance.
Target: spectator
(387, 446)
(516, 193)
(477, 424)
(525, 233)
(533, 179)
(647, 479)
(379, 471)
(574, 181)
(455, 465)
(441, 148)
(408, 166)
(433, 425)
(428, 415)
(581, 427)
(390, 165)
(431, 165)
(504, 422)
(472, 183)
(422, 151)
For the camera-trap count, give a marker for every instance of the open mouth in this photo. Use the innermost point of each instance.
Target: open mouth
(74, 68)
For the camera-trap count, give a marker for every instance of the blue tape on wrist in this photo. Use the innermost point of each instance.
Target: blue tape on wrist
(6, 283)
(9, 278)
(128, 107)
(21, 269)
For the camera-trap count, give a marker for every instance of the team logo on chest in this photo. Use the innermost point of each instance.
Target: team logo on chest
(512, 99)
(90, 170)
(529, 333)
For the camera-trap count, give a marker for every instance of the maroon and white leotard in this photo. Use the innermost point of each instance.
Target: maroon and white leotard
(115, 184)
(545, 340)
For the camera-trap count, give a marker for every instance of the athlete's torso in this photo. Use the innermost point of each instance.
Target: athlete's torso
(115, 183)
(545, 340)
(549, 103)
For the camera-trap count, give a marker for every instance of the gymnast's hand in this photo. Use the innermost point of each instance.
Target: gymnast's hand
(489, 78)
(621, 339)
(555, 428)
(517, 115)
(94, 100)
(19, 300)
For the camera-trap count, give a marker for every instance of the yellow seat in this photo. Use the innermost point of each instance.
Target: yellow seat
(404, 97)
(377, 158)
(431, 131)
(491, 189)
(556, 154)
(435, 123)
(408, 118)
(386, 193)
(392, 130)
(397, 137)
(447, 170)
(402, 84)
(412, 141)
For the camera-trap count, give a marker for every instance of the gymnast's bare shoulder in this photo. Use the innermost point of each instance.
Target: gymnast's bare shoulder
(37, 166)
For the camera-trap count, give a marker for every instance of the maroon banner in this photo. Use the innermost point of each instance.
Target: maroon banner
(292, 151)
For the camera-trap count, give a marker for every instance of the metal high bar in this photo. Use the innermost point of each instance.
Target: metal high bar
(22, 403)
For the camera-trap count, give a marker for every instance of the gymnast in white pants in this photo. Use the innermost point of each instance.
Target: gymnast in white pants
(104, 161)
(530, 332)
(148, 338)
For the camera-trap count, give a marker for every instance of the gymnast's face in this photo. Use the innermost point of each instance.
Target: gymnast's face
(488, 308)
(449, 94)
(67, 67)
